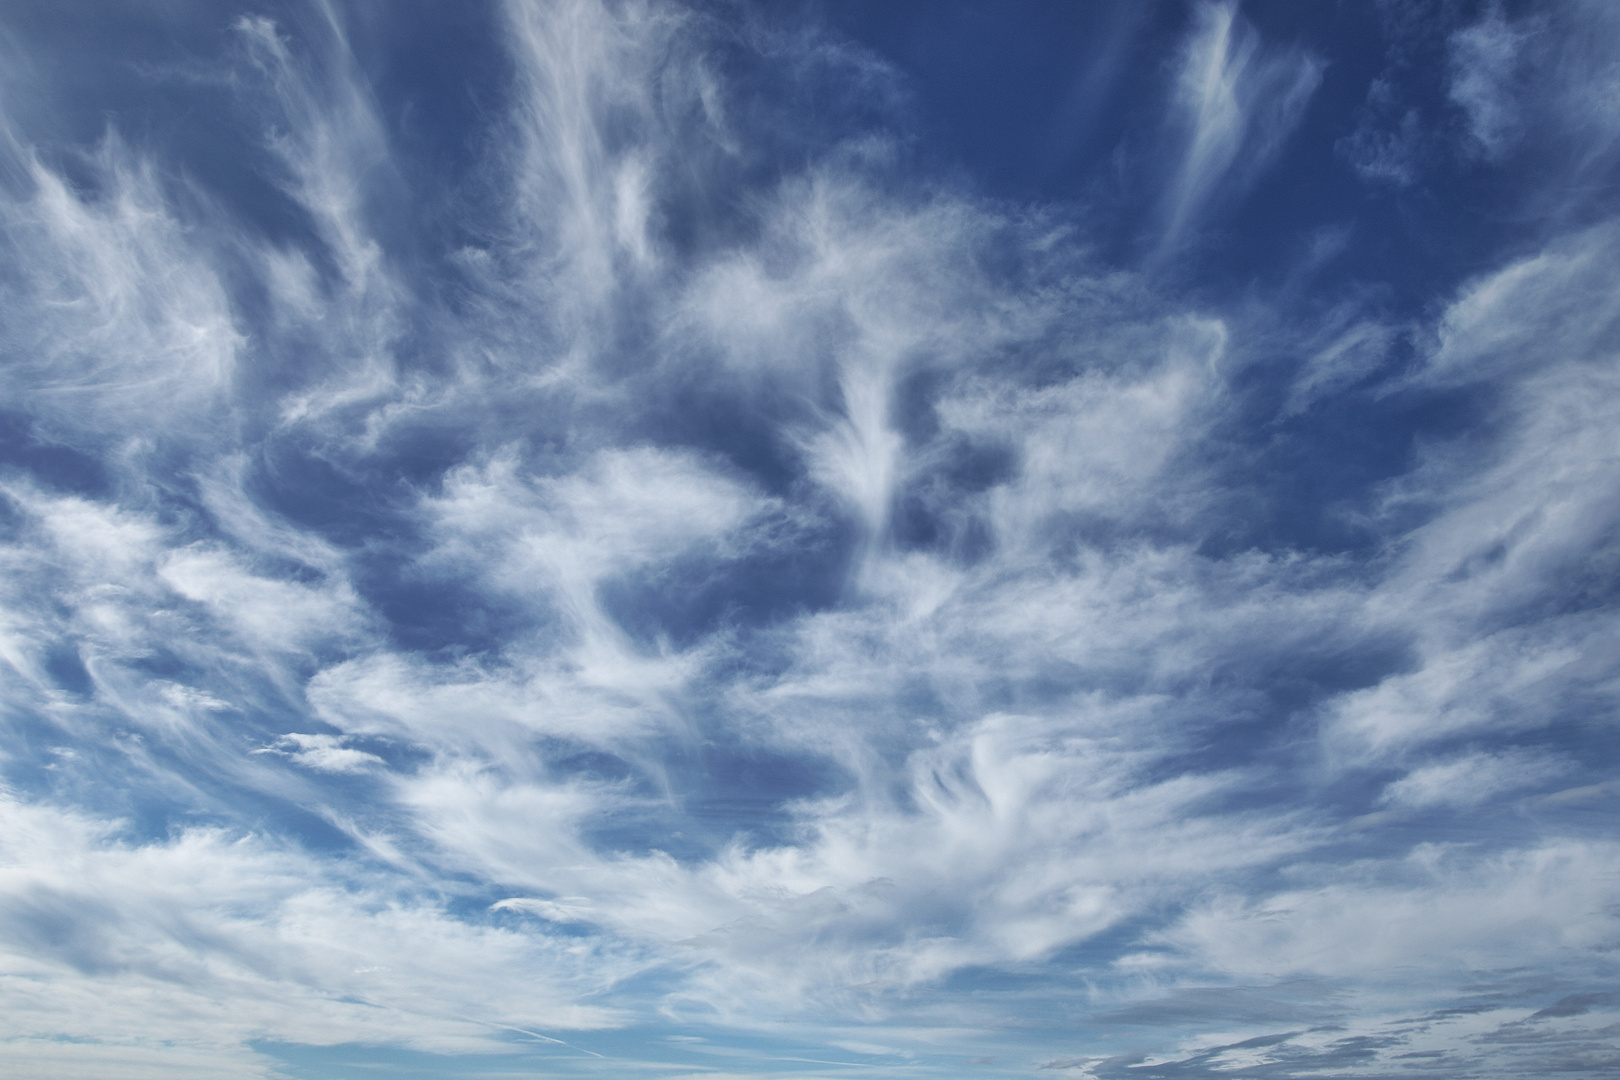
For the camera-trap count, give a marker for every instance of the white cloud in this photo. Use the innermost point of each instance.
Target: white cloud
(1391, 155)
(1012, 689)
(1236, 104)
(550, 544)
(1470, 780)
(324, 753)
(570, 909)
(1484, 58)
(117, 321)
(267, 612)
(1440, 909)
(1500, 586)
(1351, 353)
(170, 950)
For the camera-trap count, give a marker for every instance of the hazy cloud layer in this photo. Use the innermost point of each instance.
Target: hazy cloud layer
(562, 539)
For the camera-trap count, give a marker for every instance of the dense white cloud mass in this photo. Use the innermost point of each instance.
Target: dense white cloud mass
(557, 540)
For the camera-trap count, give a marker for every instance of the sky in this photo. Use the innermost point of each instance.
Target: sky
(704, 539)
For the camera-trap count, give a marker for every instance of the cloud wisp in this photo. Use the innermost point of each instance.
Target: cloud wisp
(628, 568)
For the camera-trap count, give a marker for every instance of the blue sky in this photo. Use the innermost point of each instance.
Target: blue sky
(716, 540)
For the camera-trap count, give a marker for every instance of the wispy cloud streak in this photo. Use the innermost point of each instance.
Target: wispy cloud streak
(683, 583)
(1235, 101)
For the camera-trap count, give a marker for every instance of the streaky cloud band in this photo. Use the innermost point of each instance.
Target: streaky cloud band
(572, 536)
